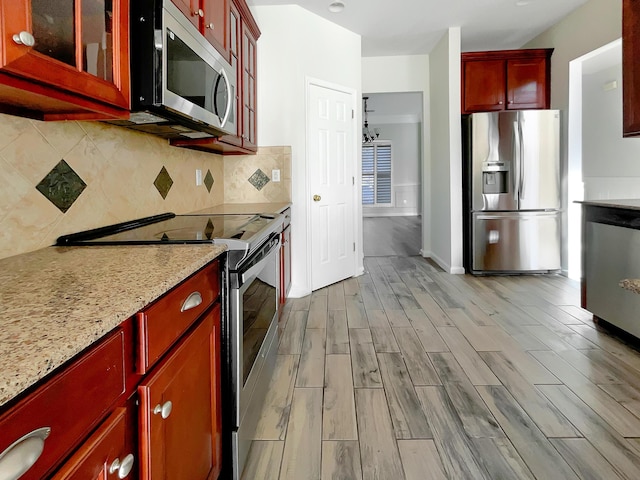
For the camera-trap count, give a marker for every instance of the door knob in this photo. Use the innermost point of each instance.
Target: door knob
(317, 198)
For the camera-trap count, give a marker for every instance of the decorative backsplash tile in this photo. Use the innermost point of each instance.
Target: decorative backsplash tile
(61, 186)
(259, 179)
(208, 181)
(238, 168)
(163, 182)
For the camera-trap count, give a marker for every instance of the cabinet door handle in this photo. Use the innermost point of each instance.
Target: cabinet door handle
(210, 26)
(23, 453)
(123, 468)
(24, 38)
(192, 301)
(500, 102)
(164, 410)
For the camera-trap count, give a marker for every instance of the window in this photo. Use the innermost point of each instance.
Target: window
(376, 174)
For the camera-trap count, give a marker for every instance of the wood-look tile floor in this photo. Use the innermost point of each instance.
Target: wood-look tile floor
(411, 373)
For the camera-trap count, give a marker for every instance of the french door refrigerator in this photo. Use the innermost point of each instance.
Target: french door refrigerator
(511, 192)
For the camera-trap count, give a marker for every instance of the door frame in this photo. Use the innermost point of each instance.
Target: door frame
(358, 267)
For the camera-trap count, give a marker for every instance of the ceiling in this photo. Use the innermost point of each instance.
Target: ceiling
(413, 27)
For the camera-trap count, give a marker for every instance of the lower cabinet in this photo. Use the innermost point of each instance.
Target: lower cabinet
(101, 417)
(108, 454)
(180, 422)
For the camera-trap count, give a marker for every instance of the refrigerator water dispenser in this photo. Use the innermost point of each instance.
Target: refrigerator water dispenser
(495, 182)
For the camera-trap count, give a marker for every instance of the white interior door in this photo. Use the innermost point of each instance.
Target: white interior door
(331, 170)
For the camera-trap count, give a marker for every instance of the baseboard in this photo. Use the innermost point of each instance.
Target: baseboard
(297, 292)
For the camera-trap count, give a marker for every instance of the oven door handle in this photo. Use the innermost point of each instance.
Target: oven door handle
(257, 268)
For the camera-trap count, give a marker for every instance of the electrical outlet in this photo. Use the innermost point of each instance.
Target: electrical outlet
(198, 177)
(275, 175)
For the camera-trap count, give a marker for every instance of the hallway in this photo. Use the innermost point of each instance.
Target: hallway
(408, 372)
(392, 236)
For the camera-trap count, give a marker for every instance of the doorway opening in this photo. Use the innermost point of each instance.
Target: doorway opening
(601, 163)
(392, 175)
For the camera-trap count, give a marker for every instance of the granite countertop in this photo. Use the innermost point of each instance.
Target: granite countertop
(244, 208)
(624, 204)
(59, 300)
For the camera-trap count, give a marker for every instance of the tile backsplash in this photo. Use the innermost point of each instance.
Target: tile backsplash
(119, 168)
(247, 178)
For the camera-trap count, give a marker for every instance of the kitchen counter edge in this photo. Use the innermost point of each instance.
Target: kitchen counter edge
(58, 301)
(624, 204)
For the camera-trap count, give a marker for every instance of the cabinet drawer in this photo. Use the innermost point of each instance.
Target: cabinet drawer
(162, 323)
(70, 404)
(104, 455)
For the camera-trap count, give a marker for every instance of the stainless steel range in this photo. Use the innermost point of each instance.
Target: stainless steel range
(250, 299)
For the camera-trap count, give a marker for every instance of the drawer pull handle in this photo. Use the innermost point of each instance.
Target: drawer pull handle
(192, 301)
(123, 468)
(164, 410)
(23, 453)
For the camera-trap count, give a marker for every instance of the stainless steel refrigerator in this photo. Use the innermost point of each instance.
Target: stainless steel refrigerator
(511, 175)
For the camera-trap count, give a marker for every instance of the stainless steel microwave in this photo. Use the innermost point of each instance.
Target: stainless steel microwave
(181, 86)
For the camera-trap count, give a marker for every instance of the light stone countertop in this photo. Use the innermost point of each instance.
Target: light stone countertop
(57, 301)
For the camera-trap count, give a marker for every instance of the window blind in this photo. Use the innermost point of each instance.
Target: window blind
(376, 174)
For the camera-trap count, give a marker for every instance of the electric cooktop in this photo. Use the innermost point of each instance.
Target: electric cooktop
(238, 232)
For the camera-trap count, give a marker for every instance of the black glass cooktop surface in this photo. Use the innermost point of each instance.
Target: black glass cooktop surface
(170, 228)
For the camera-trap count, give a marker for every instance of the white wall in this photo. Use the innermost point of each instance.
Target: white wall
(610, 165)
(406, 145)
(446, 153)
(408, 73)
(295, 46)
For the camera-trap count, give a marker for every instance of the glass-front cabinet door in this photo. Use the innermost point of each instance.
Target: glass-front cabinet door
(79, 46)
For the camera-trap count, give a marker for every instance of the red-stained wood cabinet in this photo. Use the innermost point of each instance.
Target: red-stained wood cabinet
(630, 68)
(109, 453)
(64, 59)
(506, 80)
(180, 422)
(243, 33)
(211, 18)
(143, 402)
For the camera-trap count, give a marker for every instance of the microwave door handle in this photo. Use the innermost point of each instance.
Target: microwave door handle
(229, 99)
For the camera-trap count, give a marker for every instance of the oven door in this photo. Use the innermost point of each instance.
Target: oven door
(253, 295)
(197, 81)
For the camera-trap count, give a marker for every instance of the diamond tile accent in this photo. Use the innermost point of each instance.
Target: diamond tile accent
(163, 182)
(259, 179)
(208, 181)
(61, 186)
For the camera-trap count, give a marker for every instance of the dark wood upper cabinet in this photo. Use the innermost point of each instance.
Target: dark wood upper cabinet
(484, 85)
(630, 68)
(215, 24)
(64, 59)
(211, 18)
(506, 80)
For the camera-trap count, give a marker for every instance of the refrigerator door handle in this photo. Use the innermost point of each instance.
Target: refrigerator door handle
(516, 163)
(521, 159)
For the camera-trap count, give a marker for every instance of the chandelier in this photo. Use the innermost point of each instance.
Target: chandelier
(368, 136)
